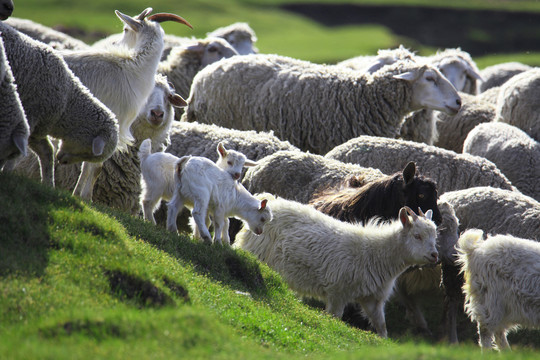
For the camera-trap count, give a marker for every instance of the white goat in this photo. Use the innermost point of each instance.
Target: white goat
(157, 174)
(121, 76)
(210, 191)
(340, 262)
(502, 284)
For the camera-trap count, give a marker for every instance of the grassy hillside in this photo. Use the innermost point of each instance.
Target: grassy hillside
(81, 282)
(279, 31)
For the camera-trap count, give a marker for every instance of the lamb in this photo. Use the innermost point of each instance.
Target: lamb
(300, 102)
(158, 173)
(210, 191)
(122, 76)
(514, 152)
(118, 185)
(56, 103)
(450, 170)
(498, 74)
(56, 39)
(339, 262)
(14, 129)
(184, 62)
(370, 64)
(296, 175)
(455, 128)
(502, 282)
(6, 9)
(517, 103)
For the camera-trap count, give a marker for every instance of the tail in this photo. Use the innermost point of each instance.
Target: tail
(145, 150)
(180, 166)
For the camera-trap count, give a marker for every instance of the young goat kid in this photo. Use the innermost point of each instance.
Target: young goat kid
(502, 284)
(158, 169)
(211, 191)
(339, 262)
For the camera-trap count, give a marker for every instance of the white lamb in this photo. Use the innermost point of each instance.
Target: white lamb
(502, 284)
(211, 192)
(339, 262)
(157, 174)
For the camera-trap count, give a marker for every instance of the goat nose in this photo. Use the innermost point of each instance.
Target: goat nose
(157, 113)
(236, 176)
(458, 102)
(435, 255)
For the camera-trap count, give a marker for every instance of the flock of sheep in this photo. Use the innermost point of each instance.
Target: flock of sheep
(375, 176)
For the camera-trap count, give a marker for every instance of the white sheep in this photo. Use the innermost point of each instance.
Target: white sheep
(459, 68)
(184, 62)
(56, 103)
(372, 63)
(6, 9)
(118, 185)
(14, 129)
(56, 39)
(455, 128)
(122, 76)
(514, 152)
(498, 74)
(296, 175)
(518, 104)
(451, 171)
(315, 107)
(158, 169)
(502, 284)
(211, 192)
(339, 262)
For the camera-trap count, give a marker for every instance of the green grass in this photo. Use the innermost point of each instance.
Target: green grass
(90, 282)
(278, 31)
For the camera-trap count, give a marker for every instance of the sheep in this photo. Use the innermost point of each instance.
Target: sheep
(211, 191)
(184, 62)
(459, 68)
(240, 35)
(6, 9)
(498, 74)
(517, 102)
(502, 282)
(315, 107)
(14, 129)
(514, 152)
(296, 175)
(339, 262)
(122, 76)
(491, 95)
(383, 198)
(158, 169)
(56, 39)
(455, 128)
(450, 170)
(56, 103)
(370, 64)
(118, 185)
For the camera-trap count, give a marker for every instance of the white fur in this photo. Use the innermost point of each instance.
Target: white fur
(502, 284)
(210, 191)
(340, 262)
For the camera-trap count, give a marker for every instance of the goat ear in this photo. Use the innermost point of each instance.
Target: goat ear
(129, 21)
(98, 144)
(409, 172)
(250, 163)
(21, 142)
(263, 204)
(177, 101)
(144, 14)
(429, 214)
(221, 150)
(404, 218)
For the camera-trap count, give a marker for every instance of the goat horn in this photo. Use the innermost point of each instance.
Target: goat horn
(161, 17)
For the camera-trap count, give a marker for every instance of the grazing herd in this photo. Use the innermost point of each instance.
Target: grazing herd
(379, 178)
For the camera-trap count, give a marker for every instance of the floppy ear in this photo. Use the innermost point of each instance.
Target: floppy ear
(221, 150)
(263, 204)
(407, 76)
(129, 21)
(409, 172)
(21, 142)
(473, 74)
(250, 163)
(98, 144)
(177, 101)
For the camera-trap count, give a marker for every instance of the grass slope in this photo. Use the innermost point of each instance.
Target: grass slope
(80, 282)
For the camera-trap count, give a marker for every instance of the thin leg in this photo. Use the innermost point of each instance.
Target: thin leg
(87, 179)
(45, 151)
(173, 208)
(485, 337)
(375, 312)
(199, 214)
(501, 340)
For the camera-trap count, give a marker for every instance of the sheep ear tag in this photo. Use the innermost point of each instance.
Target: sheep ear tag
(263, 204)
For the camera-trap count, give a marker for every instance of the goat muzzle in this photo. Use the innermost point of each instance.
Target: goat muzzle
(161, 17)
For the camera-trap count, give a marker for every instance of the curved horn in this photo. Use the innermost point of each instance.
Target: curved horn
(161, 17)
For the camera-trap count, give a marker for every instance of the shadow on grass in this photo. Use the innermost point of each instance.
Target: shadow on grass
(25, 222)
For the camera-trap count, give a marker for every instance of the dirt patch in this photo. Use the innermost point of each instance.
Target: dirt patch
(142, 292)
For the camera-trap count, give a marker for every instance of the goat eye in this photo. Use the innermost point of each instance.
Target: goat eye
(212, 49)
(229, 163)
(421, 196)
(430, 78)
(263, 220)
(418, 237)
